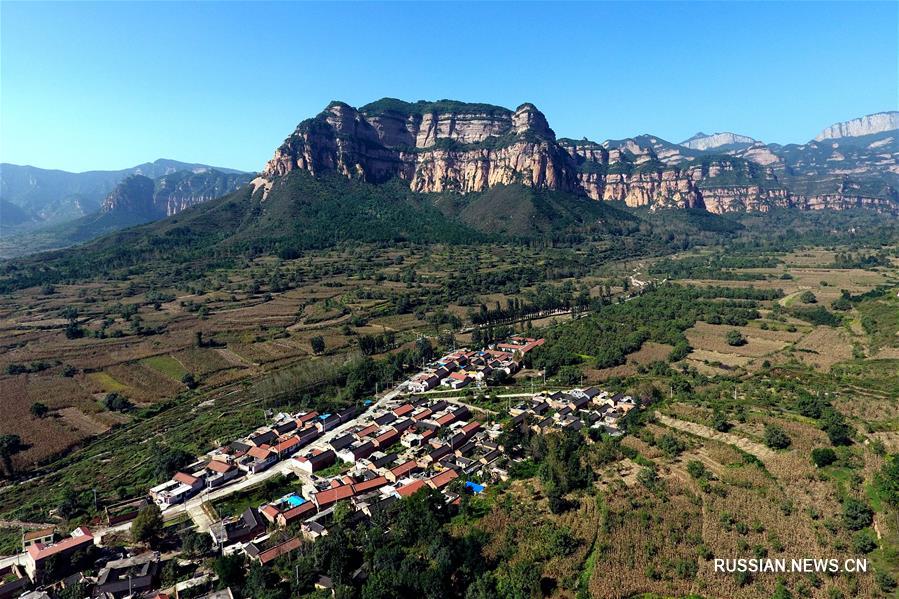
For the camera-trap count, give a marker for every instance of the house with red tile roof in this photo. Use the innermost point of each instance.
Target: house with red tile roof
(387, 438)
(270, 555)
(403, 470)
(471, 428)
(288, 446)
(410, 489)
(270, 512)
(257, 459)
(304, 418)
(369, 485)
(446, 419)
(296, 514)
(443, 479)
(402, 410)
(37, 555)
(457, 380)
(368, 430)
(325, 499)
(220, 473)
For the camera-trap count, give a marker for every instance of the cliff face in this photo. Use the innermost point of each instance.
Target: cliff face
(141, 197)
(701, 141)
(866, 125)
(435, 148)
(453, 146)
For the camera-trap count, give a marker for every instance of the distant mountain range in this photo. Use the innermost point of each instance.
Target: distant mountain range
(54, 196)
(455, 146)
(449, 155)
(45, 209)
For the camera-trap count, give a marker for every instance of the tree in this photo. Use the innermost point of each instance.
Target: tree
(318, 344)
(9, 446)
(776, 437)
(115, 402)
(195, 544)
(823, 456)
(230, 570)
(834, 424)
(886, 482)
(857, 514)
(670, 444)
(864, 541)
(719, 422)
(697, 469)
(807, 297)
(39, 410)
(189, 381)
(569, 375)
(648, 478)
(735, 338)
(147, 525)
(781, 592)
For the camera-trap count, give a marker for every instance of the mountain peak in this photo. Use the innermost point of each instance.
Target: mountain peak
(701, 141)
(866, 125)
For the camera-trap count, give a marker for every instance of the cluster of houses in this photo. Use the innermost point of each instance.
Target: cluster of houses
(574, 410)
(463, 367)
(390, 455)
(381, 457)
(255, 453)
(99, 573)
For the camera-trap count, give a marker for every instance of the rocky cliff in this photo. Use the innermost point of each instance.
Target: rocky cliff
(701, 141)
(453, 146)
(149, 199)
(866, 125)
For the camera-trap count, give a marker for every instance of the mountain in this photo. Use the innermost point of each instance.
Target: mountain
(718, 141)
(866, 125)
(152, 199)
(54, 196)
(135, 200)
(454, 146)
(12, 215)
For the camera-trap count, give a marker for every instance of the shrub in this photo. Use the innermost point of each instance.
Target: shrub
(115, 402)
(807, 297)
(670, 444)
(719, 422)
(856, 514)
(697, 469)
(886, 582)
(864, 542)
(39, 410)
(823, 456)
(776, 437)
(189, 381)
(735, 338)
(147, 525)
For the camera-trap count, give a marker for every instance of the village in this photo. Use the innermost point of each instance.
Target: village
(357, 461)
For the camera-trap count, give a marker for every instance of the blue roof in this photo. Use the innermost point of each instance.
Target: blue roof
(324, 416)
(367, 402)
(475, 487)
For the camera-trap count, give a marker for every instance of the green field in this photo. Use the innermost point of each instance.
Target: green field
(167, 365)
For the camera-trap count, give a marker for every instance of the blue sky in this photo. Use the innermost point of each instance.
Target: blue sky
(109, 85)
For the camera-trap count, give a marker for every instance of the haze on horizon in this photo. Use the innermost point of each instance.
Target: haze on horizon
(90, 86)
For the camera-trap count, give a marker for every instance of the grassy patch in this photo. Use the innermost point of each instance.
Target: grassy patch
(106, 381)
(167, 365)
(256, 495)
(10, 541)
